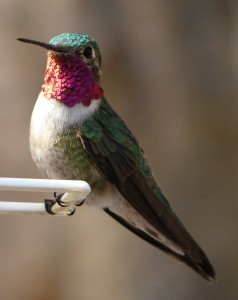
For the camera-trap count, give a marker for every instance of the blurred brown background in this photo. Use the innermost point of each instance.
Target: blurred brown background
(170, 69)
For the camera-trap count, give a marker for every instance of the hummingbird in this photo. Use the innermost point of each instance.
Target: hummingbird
(75, 134)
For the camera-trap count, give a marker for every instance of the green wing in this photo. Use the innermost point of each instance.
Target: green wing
(118, 156)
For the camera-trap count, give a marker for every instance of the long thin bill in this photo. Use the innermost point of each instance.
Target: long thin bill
(58, 48)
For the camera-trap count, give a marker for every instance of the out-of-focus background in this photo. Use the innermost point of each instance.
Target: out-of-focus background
(171, 71)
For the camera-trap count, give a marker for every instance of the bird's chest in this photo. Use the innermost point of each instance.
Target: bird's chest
(56, 144)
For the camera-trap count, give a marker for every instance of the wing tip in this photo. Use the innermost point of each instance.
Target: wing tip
(203, 267)
(207, 271)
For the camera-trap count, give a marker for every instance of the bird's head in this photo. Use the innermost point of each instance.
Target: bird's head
(73, 69)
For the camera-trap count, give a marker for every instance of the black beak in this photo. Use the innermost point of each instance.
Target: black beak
(58, 48)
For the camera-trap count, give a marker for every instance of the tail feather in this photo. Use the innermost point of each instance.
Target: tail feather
(200, 263)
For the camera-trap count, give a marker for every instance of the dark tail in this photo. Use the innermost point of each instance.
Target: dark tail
(200, 263)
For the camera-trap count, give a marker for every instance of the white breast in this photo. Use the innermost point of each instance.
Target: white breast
(50, 118)
(54, 115)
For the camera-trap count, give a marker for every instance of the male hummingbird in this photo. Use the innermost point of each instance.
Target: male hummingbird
(75, 134)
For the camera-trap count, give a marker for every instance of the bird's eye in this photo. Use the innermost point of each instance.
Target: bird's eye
(88, 52)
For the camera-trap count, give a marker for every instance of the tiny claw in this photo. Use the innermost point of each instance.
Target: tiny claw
(48, 206)
(71, 213)
(81, 203)
(58, 199)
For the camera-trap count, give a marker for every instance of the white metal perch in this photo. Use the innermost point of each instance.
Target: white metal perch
(74, 191)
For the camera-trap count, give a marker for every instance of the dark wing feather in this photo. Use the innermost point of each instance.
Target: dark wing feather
(116, 153)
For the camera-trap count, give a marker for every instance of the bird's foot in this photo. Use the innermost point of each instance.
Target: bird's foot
(49, 204)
